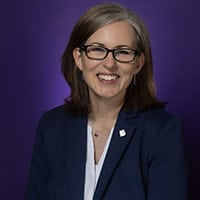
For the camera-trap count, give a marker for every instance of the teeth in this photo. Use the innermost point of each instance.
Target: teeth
(108, 77)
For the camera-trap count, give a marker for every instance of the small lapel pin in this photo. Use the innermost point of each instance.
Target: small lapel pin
(122, 133)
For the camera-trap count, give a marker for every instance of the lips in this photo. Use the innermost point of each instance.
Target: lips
(108, 77)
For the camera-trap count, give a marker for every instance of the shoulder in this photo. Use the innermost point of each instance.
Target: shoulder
(55, 120)
(52, 123)
(52, 129)
(157, 113)
(160, 130)
(158, 126)
(56, 115)
(158, 118)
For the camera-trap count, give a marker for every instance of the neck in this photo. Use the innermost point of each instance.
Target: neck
(105, 110)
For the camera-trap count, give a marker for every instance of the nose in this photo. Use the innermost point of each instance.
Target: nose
(109, 61)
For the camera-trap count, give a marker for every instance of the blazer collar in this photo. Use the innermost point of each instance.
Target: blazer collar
(123, 133)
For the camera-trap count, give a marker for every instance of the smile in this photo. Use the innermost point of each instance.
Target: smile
(108, 77)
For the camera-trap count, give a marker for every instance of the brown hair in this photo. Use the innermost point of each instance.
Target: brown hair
(142, 95)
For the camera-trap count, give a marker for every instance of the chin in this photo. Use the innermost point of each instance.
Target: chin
(108, 95)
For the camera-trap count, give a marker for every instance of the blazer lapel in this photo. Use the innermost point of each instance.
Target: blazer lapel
(76, 143)
(122, 135)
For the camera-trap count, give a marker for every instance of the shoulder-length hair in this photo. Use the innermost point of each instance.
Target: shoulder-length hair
(139, 96)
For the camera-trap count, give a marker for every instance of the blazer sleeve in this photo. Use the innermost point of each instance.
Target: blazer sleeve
(167, 178)
(40, 167)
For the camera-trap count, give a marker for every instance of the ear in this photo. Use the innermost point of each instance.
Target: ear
(139, 63)
(77, 58)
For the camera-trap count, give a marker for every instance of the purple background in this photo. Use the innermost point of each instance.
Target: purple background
(33, 35)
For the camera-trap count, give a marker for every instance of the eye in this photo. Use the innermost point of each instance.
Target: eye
(123, 52)
(96, 49)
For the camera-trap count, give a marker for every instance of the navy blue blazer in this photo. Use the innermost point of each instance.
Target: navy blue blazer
(148, 163)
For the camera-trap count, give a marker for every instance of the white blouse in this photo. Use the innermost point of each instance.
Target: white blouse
(93, 171)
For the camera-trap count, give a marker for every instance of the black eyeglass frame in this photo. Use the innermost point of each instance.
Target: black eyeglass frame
(84, 48)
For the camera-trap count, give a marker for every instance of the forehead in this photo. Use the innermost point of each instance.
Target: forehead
(114, 34)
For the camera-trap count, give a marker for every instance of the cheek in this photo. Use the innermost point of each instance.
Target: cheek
(129, 73)
(88, 70)
(87, 65)
(128, 76)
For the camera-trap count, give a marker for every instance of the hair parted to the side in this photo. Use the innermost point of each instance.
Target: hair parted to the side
(142, 95)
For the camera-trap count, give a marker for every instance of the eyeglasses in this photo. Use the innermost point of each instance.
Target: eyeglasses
(123, 54)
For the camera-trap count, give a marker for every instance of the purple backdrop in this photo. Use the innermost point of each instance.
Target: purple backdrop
(33, 37)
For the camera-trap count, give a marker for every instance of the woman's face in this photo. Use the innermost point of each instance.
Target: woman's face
(109, 78)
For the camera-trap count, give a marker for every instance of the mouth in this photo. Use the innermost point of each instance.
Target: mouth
(108, 77)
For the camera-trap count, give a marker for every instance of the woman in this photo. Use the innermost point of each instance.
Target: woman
(112, 139)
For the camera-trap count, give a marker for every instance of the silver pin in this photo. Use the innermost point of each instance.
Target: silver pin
(122, 133)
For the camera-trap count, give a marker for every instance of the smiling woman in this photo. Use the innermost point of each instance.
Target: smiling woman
(112, 139)
(108, 75)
